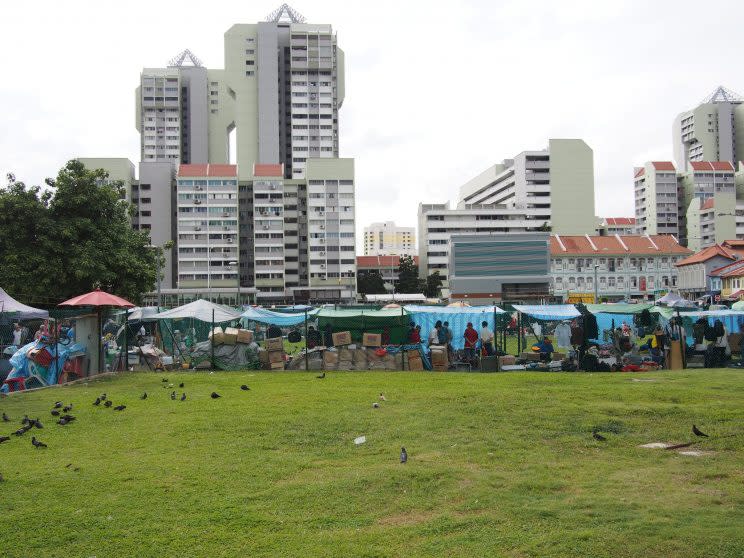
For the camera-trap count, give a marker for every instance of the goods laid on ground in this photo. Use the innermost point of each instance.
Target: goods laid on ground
(349, 357)
(217, 336)
(372, 339)
(439, 359)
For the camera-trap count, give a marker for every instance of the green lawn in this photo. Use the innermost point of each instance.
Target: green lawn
(500, 465)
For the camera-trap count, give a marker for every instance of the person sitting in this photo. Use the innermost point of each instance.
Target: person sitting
(414, 334)
(313, 338)
(273, 332)
(471, 340)
(545, 348)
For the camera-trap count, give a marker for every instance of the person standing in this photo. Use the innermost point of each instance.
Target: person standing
(448, 341)
(486, 338)
(434, 333)
(471, 340)
(17, 335)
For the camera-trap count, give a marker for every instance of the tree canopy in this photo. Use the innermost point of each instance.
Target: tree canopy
(371, 283)
(72, 237)
(433, 285)
(408, 277)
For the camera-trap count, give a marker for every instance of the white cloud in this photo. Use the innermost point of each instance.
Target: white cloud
(435, 91)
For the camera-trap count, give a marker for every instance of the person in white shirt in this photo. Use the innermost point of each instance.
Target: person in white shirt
(17, 335)
(486, 337)
(434, 334)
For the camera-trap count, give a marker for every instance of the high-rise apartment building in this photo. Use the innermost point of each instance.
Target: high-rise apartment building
(535, 191)
(387, 239)
(709, 131)
(276, 216)
(657, 207)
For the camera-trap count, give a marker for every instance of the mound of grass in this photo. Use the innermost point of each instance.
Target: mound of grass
(499, 465)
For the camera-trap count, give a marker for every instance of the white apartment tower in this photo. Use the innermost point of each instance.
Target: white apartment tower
(709, 131)
(387, 239)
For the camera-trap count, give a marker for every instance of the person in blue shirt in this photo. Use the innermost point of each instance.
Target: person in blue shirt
(545, 348)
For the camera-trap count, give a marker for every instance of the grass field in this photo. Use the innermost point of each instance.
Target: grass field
(500, 465)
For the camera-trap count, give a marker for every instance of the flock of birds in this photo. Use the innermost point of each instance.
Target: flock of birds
(61, 412)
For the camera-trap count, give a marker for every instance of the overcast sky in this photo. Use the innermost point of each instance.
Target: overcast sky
(435, 91)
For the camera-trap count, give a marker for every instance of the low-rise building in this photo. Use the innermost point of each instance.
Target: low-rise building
(696, 278)
(730, 279)
(616, 225)
(631, 267)
(385, 266)
(511, 267)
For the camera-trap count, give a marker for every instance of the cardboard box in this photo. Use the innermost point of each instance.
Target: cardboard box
(530, 356)
(217, 336)
(415, 363)
(231, 336)
(345, 365)
(275, 344)
(245, 336)
(440, 367)
(439, 355)
(277, 365)
(342, 338)
(507, 360)
(263, 356)
(276, 356)
(372, 339)
(559, 356)
(330, 358)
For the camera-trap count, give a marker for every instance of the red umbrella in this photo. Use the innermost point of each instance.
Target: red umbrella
(98, 298)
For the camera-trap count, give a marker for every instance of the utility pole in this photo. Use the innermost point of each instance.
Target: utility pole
(596, 286)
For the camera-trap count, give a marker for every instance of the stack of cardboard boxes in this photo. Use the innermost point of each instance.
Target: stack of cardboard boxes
(230, 336)
(414, 361)
(439, 359)
(275, 353)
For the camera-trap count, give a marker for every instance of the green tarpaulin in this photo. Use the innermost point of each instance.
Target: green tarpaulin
(619, 308)
(366, 321)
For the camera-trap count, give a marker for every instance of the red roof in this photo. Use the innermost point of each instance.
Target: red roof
(712, 165)
(663, 165)
(639, 171)
(708, 204)
(735, 244)
(708, 253)
(377, 262)
(207, 170)
(263, 169)
(721, 271)
(620, 220)
(606, 245)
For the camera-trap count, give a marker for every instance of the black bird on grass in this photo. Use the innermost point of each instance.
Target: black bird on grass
(173, 395)
(143, 396)
(183, 397)
(103, 397)
(180, 385)
(697, 432)
(20, 432)
(322, 375)
(120, 407)
(37, 443)
(107, 404)
(245, 387)
(5, 418)
(67, 408)
(165, 380)
(58, 405)
(97, 401)
(62, 421)
(25, 419)
(215, 395)
(68, 418)
(597, 436)
(37, 423)
(403, 455)
(55, 412)
(4, 439)
(375, 405)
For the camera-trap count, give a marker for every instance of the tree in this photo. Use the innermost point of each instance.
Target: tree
(371, 283)
(71, 238)
(408, 277)
(433, 284)
(544, 227)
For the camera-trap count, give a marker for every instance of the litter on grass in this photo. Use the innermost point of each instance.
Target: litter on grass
(360, 440)
(655, 445)
(693, 453)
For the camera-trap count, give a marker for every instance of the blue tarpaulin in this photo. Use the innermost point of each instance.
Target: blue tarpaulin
(547, 312)
(281, 319)
(458, 318)
(23, 368)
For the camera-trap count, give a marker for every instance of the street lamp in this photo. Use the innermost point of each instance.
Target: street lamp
(596, 286)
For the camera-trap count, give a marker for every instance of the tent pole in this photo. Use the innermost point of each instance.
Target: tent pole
(212, 338)
(126, 339)
(307, 366)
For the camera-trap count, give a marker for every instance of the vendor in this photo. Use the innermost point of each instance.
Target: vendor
(545, 348)
(471, 340)
(313, 337)
(17, 335)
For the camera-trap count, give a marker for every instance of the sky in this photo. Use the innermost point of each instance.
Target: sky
(435, 91)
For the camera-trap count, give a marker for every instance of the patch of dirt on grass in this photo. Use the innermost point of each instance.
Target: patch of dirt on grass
(405, 519)
(643, 380)
(655, 445)
(695, 453)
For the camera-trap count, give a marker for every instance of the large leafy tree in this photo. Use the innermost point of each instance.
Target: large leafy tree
(71, 238)
(371, 283)
(433, 284)
(408, 277)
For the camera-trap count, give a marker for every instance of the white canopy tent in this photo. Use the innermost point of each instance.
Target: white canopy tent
(202, 310)
(9, 305)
